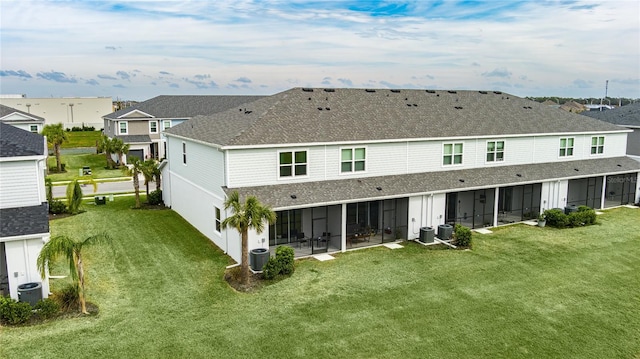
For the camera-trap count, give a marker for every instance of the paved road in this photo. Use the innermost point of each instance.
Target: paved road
(104, 188)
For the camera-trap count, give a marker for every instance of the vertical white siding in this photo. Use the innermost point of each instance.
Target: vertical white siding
(22, 255)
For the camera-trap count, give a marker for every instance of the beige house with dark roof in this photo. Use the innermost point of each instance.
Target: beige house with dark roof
(345, 168)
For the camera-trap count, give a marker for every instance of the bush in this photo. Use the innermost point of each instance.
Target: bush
(556, 218)
(13, 312)
(155, 197)
(462, 236)
(284, 256)
(589, 214)
(57, 207)
(47, 308)
(76, 129)
(68, 298)
(271, 269)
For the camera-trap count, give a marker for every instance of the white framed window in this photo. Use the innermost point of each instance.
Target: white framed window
(495, 151)
(566, 146)
(597, 145)
(123, 127)
(166, 124)
(292, 163)
(452, 154)
(153, 126)
(184, 153)
(353, 159)
(218, 220)
(33, 128)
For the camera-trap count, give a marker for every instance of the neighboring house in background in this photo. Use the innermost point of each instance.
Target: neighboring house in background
(21, 119)
(342, 165)
(142, 125)
(573, 106)
(24, 220)
(628, 117)
(69, 111)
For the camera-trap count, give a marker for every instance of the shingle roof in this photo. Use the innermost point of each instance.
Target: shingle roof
(351, 190)
(628, 115)
(16, 142)
(6, 110)
(135, 138)
(184, 106)
(24, 220)
(348, 115)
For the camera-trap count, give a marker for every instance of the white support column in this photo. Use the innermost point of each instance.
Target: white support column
(495, 206)
(343, 228)
(604, 191)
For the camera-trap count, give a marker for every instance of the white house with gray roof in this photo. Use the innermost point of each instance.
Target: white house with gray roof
(21, 119)
(345, 168)
(626, 116)
(24, 220)
(142, 126)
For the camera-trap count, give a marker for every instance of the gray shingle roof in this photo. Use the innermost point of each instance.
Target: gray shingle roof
(184, 106)
(348, 115)
(16, 142)
(628, 115)
(135, 138)
(346, 190)
(6, 110)
(24, 220)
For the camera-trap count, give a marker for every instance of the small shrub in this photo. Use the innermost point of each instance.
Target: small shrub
(57, 207)
(76, 129)
(556, 218)
(13, 312)
(271, 269)
(284, 256)
(589, 214)
(47, 308)
(462, 236)
(155, 197)
(68, 297)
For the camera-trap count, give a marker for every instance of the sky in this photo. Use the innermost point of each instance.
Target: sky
(135, 50)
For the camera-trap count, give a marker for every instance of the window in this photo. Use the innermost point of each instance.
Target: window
(293, 164)
(218, 222)
(566, 147)
(153, 126)
(495, 151)
(452, 154)
(352, 160)
(597, 145)
(33, 128)
(184, 153)
(123, 127)
(166, 124)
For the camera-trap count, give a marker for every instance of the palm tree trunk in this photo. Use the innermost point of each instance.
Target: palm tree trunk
(83, 304)
(244, 265)
(157, 179)
(136, 188)
(56, 149)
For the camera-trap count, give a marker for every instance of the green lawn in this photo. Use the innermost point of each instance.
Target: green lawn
(81, 139)
(74, 162)
(522, 292)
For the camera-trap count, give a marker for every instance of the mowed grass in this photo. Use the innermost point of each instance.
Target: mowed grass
(522, 292)
(74, 162)
(81, 139)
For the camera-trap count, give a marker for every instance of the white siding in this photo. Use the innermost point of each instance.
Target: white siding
(21, 264)
(19, 184)
(204, 167)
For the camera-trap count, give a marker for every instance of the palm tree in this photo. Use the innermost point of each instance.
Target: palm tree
(134, 171)
(72, 250)
(105, 144)
(56, 136)
(149, 167)
(121, 149)
(248, 215)
(74, 193)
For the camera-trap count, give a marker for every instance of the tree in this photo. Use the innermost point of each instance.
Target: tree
(72, 250)
(105, 144)
(121, 149)
(149, 169)
(248, 215)
(48, 183)
(134, 169)
(56, 136)
(74, 193)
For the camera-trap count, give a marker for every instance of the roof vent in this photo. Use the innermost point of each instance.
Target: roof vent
(247, 112)
(619, 165)
(307, 89)
(408, 105)
(329, 90)
(370, 90)
(577, 170)
(451, 91)
(497, 92)
(483, 92)
(458, 107)
(518, 175)
(379, 188)
(309, 98)
(320, 108)
(461, 180)
(437, 95)
(415, 105)
(431, 91)
(293, 196)
(326, 108)
(395, 90)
